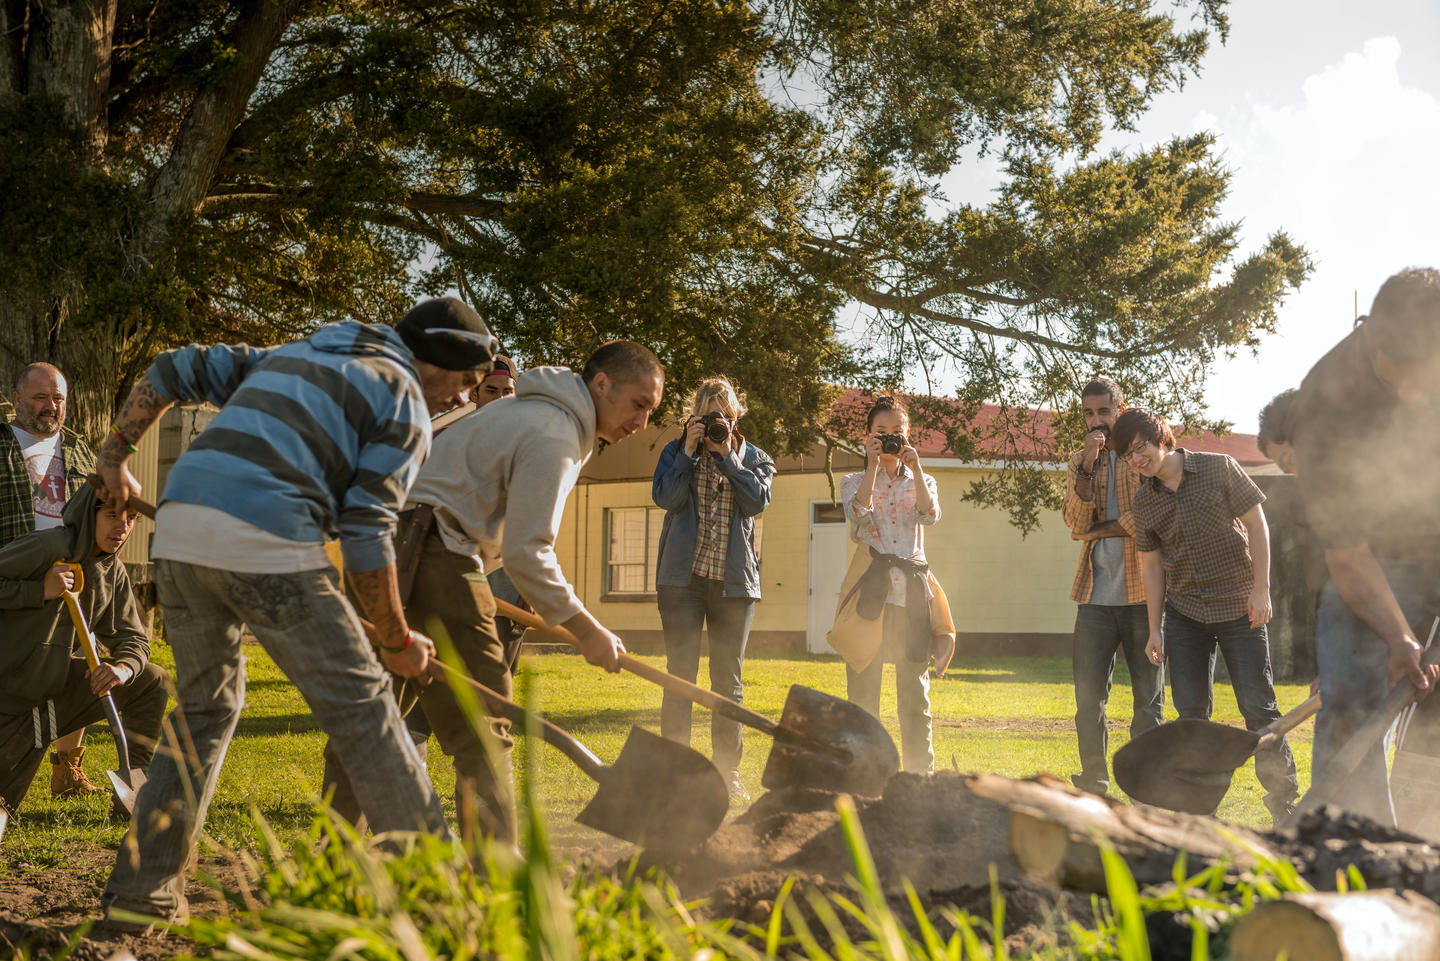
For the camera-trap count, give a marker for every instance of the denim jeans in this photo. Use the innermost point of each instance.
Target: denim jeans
(304, 622)
(1100, 631)
(1190, 646)
(1353, 662)
(912, 690)
(684, 612)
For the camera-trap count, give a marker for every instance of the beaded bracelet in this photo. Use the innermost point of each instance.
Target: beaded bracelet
(115, 429)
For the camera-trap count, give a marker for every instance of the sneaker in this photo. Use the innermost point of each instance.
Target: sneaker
(1280, 812)
(1090, 785)
(737, 789)
(67, 777)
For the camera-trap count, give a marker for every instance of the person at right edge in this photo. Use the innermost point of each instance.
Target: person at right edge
(1367, 458)
(708, 572)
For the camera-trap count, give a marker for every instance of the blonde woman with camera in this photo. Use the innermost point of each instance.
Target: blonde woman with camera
(712, 483)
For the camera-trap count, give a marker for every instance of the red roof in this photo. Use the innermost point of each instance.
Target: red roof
(1033, 431)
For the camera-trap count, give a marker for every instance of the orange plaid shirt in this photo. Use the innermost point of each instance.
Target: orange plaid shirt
(1081, 515)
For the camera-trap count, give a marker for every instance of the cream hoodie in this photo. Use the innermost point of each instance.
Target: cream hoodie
(498, 480)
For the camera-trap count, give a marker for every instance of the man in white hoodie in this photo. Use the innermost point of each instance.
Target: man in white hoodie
(493, 492)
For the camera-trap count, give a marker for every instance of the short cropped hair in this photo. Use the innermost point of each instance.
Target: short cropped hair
(1104, 385)
(29, 369)
(624, 362)
(1404, 320)
(883, 404)
(1144, 425)
(732, 400)
(1275, 419)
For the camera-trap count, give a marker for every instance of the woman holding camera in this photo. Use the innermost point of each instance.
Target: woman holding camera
(890, 607)
(711, 483)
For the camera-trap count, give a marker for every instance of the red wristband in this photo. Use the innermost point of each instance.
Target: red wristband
(409, 639)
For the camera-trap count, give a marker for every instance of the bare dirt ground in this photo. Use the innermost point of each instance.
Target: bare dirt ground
(42, 909)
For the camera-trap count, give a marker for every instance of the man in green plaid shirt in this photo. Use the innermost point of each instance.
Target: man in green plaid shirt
(41, 465)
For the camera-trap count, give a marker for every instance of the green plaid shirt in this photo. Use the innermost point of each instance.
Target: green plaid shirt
(17, 498)
(716, 504)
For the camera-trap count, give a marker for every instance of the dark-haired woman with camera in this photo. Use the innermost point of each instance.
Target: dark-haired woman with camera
(890, 607)
(712, 483)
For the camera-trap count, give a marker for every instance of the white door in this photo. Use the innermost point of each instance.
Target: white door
(829, 556)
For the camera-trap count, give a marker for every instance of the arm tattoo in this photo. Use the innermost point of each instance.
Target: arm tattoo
(139, 412)
(379, 595)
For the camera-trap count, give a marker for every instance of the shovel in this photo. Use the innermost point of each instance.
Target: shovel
(657, 794)
(1186, 765)
(127, 780)
(821, 741)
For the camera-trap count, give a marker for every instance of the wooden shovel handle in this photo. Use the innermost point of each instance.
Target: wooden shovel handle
(1366, 736)
(691, 692)
(503, 707)
(136, 502)
(1275, 730)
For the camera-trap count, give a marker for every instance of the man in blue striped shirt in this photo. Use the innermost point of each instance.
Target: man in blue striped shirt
(315, 439)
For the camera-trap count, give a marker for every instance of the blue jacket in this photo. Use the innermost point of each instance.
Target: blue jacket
(749, 471)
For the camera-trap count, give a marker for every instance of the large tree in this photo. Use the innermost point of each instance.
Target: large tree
(722, 180)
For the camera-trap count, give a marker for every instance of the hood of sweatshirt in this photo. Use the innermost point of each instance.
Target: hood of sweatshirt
(565, 389)
(79, 519)
(364, 340)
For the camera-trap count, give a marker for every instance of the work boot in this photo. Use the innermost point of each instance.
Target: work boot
(1280, 810)
(737, 789)
(67, 778)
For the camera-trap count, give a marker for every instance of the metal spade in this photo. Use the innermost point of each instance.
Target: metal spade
(658, 794)
(126, 781)
(1186, 765)
(821, 741)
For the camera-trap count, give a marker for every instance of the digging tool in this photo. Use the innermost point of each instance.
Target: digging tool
(657, 794)
(126, 780)
(821, 741)
(1186, 765)
(1367, 735)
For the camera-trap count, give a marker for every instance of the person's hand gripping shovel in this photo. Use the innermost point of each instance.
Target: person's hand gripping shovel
(127, 780)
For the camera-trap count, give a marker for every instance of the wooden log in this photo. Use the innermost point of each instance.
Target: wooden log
(1056, 834)
(1363, 926)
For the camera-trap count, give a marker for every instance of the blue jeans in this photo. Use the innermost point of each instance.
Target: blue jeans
(304, 622)
(684, 613)
(1353, 662)
(1190, 646)
(1100, 631)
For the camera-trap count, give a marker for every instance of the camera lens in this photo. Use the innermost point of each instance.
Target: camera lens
(716, 432)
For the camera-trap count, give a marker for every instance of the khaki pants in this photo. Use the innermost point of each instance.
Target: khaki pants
(912, 690)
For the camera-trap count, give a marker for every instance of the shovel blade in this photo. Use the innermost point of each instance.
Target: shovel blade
(659, 794)
(126, 787)
(1185, 765)
(837, 722)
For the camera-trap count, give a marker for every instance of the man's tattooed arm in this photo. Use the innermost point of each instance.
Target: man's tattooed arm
(378, 592)
(139, 412)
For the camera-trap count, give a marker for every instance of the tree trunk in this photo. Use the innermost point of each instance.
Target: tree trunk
(92, 360)
(1364, 926)
(1056, 834)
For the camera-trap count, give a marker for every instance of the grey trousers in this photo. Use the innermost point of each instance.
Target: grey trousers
(912, 691)
(305, 624)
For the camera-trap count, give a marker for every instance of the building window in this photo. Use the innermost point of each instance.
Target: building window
(632, 535)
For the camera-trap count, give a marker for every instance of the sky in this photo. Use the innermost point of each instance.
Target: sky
(1328, 114)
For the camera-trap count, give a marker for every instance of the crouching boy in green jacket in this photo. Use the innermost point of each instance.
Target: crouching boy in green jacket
(46, 689)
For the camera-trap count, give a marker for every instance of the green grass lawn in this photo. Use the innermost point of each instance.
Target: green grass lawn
(1003, 715)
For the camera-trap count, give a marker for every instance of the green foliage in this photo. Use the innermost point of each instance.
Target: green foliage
(725, 181)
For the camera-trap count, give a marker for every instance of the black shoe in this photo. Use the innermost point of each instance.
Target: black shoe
(1090, 785)
(737, 789)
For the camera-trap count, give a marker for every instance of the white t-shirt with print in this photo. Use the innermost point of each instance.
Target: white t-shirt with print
(45, 463)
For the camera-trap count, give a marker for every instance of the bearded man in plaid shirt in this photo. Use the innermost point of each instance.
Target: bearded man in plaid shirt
(1099, 489)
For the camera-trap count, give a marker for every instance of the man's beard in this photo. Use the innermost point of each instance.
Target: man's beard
(44, 425)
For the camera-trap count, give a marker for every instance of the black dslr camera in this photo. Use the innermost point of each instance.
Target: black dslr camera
(891, 443)
(716, 430)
